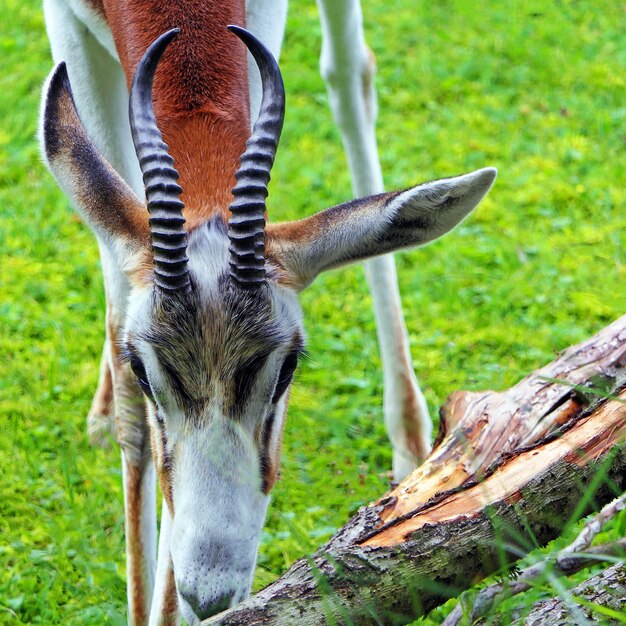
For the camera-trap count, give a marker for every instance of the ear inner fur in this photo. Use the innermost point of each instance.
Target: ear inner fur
(372, 226)
(105, 201)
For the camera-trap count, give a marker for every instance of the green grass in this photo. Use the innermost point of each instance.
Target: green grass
(534, 88)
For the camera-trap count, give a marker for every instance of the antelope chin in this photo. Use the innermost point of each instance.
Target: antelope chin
(195, 614)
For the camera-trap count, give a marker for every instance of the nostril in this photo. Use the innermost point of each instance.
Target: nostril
(205, 607)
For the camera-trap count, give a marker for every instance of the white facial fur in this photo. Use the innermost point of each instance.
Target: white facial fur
(211, 448)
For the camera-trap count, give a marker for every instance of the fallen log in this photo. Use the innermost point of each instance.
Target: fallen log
(576, 556)
(582, 604)
(509, 471)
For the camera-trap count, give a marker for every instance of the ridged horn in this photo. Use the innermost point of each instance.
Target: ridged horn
(167, 230)
(246, 225)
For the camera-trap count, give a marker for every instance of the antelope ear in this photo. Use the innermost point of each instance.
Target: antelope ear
(372, 226)
(110, 207)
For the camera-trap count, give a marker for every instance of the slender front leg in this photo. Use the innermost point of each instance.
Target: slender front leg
(139, 477)
(140, 529)
(101, 420)
(348, 67)
(406, 413)
(139, 494)
(164, 610)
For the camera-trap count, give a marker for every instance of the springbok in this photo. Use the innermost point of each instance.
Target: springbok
(203, 327)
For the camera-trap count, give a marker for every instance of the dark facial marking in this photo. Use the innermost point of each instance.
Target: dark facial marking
(285, 376)
(158, 417)
(140, 372)
(167, 464)
(264, 460)
(175, 382)
(246, 375)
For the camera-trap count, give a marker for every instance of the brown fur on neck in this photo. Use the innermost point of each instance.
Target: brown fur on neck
(201, 96)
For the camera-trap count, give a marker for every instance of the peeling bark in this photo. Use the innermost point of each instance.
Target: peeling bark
(509, 471)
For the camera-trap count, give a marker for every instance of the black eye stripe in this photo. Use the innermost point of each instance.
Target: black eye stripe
(142, 378)
(246, 375)
(285, 376)
(176, 381)
(264, 459)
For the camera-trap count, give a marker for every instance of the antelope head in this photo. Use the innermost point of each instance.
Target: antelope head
(213, 327)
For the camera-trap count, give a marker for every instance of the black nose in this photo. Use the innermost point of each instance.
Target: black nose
(207, 606)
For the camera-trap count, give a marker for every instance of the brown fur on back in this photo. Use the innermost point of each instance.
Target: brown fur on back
(200, 91)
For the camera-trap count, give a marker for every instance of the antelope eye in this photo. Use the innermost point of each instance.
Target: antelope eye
(285, 376)
(142, 378)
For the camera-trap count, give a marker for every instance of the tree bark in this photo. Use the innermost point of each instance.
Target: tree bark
(606, 589)
(509, 471)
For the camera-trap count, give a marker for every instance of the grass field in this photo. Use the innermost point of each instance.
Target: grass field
(536, 89)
